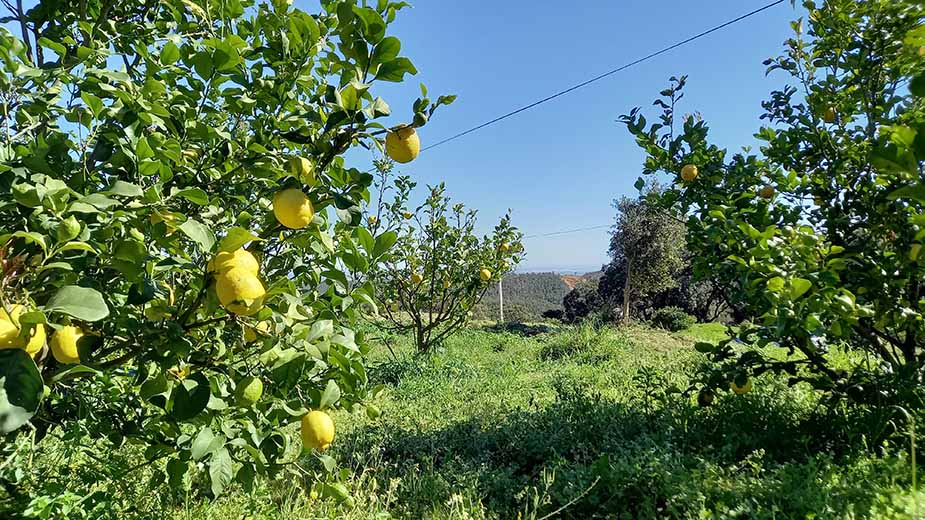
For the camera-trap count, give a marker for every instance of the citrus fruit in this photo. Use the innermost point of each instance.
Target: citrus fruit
(372, 220)
(240, 291)
(64, 344)
(744, 389)
(485, 275)
(403, 145)
(705, 398)
(830, 115)
(252, 333)
(248, 391)
(228, 260)
(407, 215)
(317, 430)
(689, 172)
(293, 209)
(10, 329)
(416, 278)
(766, 192)
(303, 169)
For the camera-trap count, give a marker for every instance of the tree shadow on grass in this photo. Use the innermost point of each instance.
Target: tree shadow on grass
(746, 458)
(527, 330)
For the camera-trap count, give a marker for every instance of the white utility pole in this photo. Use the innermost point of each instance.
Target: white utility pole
(501, 297)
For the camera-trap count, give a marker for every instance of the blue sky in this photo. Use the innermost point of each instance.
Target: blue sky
(560, 165)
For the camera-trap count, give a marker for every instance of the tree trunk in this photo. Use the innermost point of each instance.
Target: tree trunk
(626, 290)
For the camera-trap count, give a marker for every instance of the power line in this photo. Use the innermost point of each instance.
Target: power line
(604, 75)
(568, 231)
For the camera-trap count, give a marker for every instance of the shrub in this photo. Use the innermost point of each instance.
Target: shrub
(673, 319)
(581, 302)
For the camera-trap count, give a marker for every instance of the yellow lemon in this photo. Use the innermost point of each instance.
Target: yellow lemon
(689, 172)
(403, 145)
(504, 247)
(64, 345)
(416, 278)
(372, 220)
(240, 258)
(446, 284)
(303, 169)
(179, 373)
(10, 329)
(317, 430)
(830, 115)
(293, 209)
(240, 291)
(408, 215)
(744, 389)
(485, 275)
(766, 192)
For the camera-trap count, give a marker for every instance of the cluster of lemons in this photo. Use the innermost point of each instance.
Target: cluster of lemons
(63, 342)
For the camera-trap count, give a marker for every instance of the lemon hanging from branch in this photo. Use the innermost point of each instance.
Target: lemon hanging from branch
(240, 292)
(293, 208)
(64, 345)
(403, 145)
(317, 430)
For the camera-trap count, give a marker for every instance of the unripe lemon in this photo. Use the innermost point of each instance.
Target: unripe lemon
(240, 292)
(416, 278)
(915, 250)
(303, 169)
(744, 389)
(372, 219)
(248, 391)
(689, 172)
(446, 284)
(317, 430)
(830, 115)
(10, 328)
(403, 145)
(240, 258)
(64, 345)
(293, 209)
(766, 192)
(485, 275)
(408, 215)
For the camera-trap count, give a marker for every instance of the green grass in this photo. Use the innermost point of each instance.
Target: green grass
(577, 422)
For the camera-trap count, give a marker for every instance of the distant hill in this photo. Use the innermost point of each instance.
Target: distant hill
(528, 295)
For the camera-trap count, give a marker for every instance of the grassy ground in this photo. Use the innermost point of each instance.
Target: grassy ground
(577, 423)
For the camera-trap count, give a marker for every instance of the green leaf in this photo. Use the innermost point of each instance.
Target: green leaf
(776, 284)
(170, 53)
(915, 191)
(704, 348)
(190, 397)
(331, 394)
(199, 233)
(395, 70)
(385, 51)
(320, 329)
(205, 443)
(83, 303)
(194, 195)
(125, 189)
(220, 471)
(384, 242)
(798, 287)
(77, 246)
(236, 238)
(21, 389)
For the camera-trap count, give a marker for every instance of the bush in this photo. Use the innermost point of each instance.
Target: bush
(554, 314)
(673, 319)
(581, 301)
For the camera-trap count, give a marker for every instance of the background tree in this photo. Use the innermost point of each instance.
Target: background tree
(646, 250)
(581, 301)
(142, 140)
(439, 268)
(820, 237)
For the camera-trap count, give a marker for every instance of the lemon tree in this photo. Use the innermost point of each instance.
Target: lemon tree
(177, 226)
(439, 268)
(818, 237)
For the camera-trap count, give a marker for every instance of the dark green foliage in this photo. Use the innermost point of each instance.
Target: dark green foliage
(534, 293)
(581, 301)
(673, 319)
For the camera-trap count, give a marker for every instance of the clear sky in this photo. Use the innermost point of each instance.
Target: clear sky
(560, 165)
